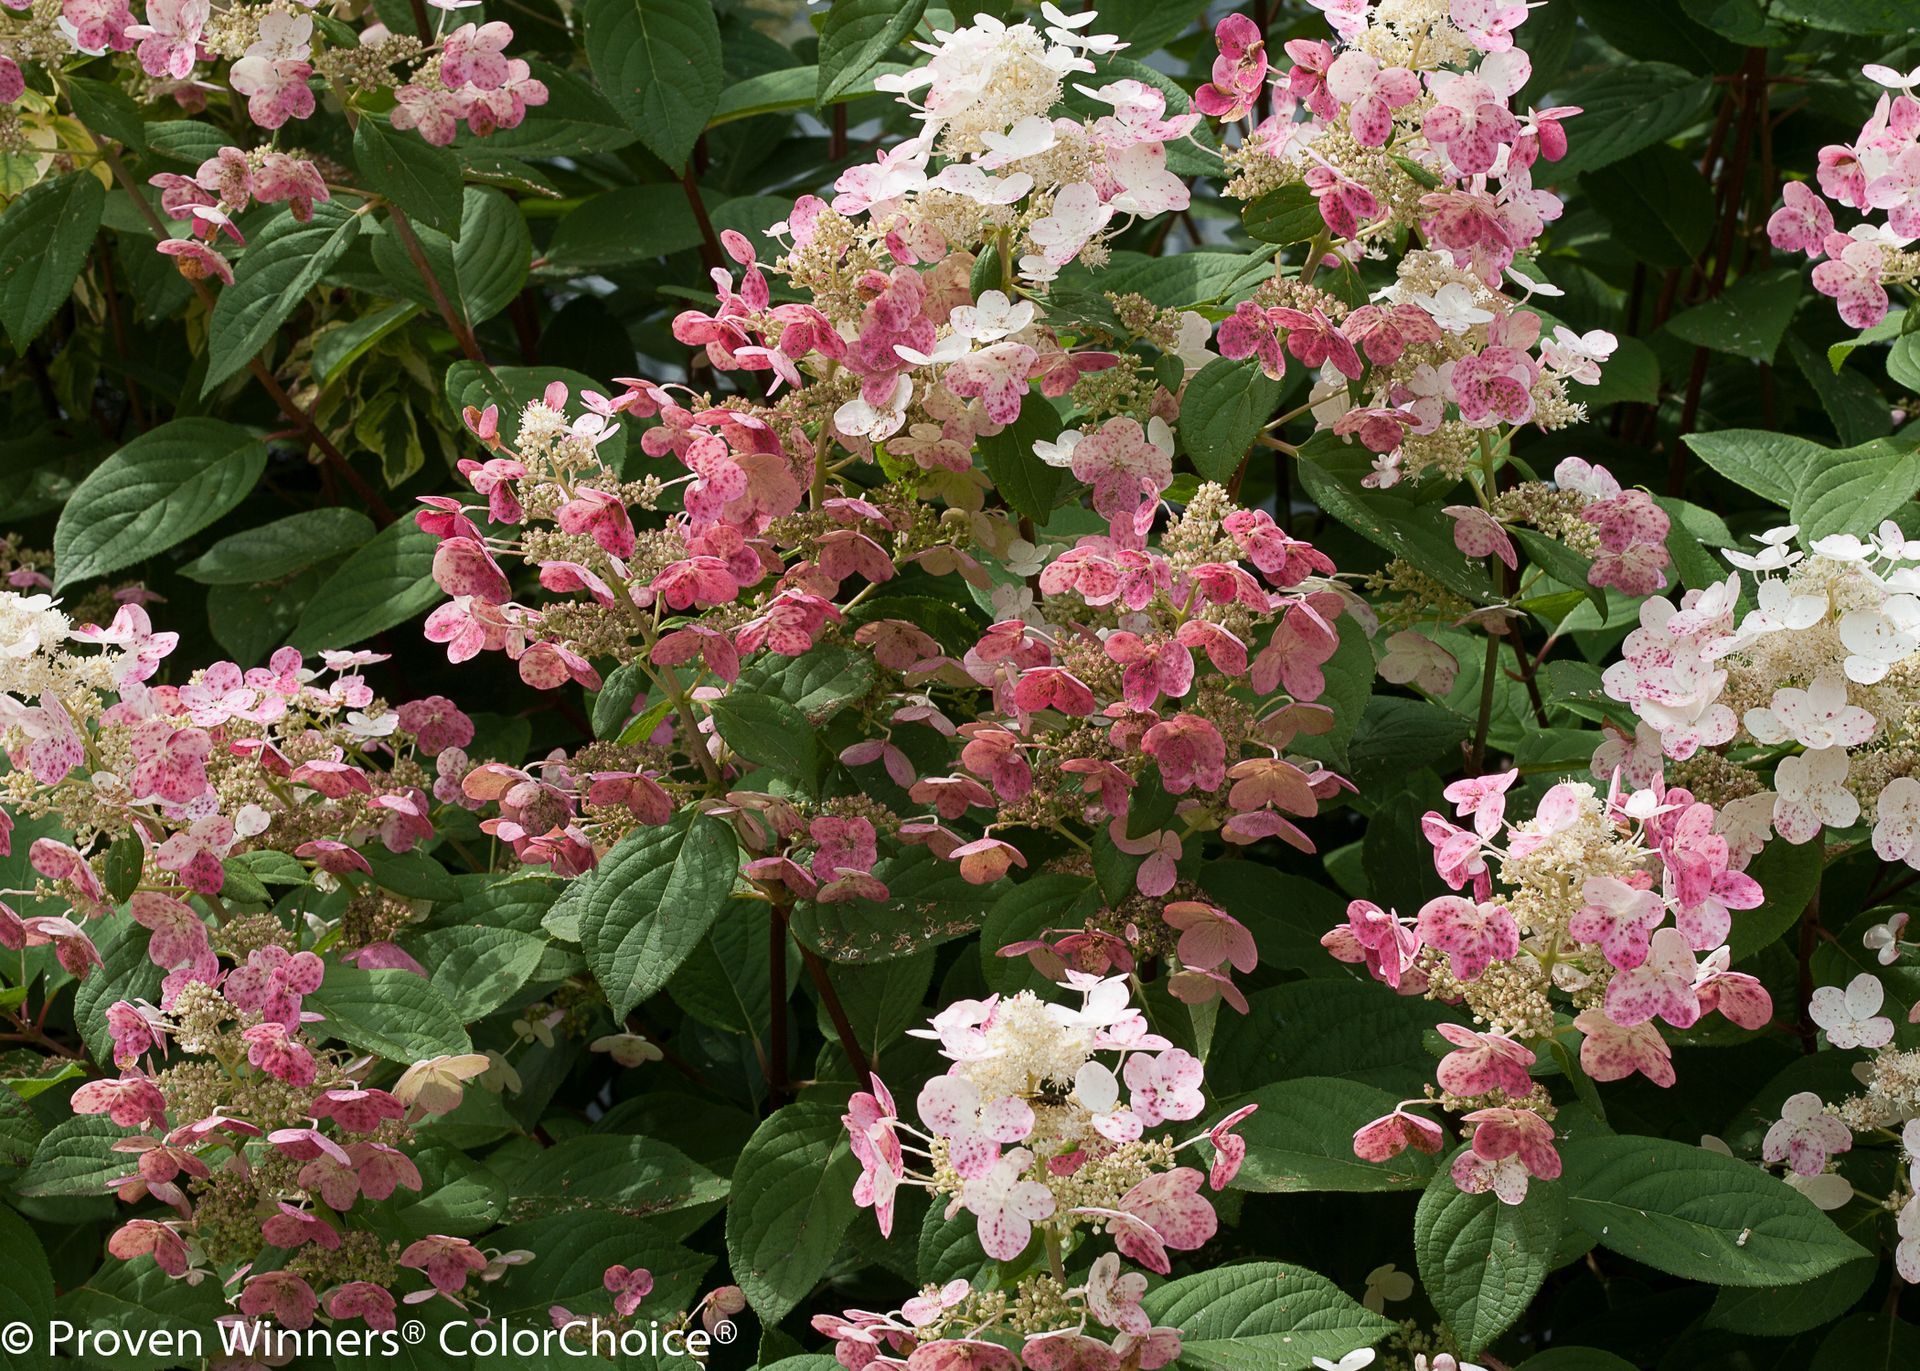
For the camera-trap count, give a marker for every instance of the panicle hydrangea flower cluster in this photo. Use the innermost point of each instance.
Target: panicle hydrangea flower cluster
(1588, 919)
(1177, 652)
(1820, 678)
(444, 77)
(1043, 1127)
(1878, 174)
(238, 1119)
(1406, 123)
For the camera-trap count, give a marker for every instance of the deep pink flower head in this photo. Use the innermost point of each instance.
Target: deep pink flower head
(1239, 72)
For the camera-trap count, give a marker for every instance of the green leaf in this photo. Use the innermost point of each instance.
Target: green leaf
(1847, 16)
(819, 682)
(1632, 374)
(1691, 531)
(1869, 1342)
(76, 1157)
(285, 260)
(1780, 1311)
(1262, 1316)
(1855, 488)
(625, 225)
(659, 63)
(792, 1204)
(616, 1173)
(856, 36)
(1856, 406)
(1789, 874)
(768, 732)
(1027, 484)
(164, 486)
(1749, 320)
(387, 582)
(613, 703)
(137, 1296)
(45, 236)
(575, 1250)
(280, 548)
(106, 110)
(1889, 329)
(491, 254)
(1296, 1029)
(26, 1289)
(479, 969)
(1225, 408)
(1562, 563)
(1625, 109)
(20, 1134)
(421, 179)
(1418, 534)
(336, 348)
(1903, 361)
(651, 901)
(479, 272)
(390, 1013)
(1768, 464)
(1482, 1261)
(1398, 736)
(1286, 214)
(1302, 1139)
(1576, 1359)
(724, 982)
(1656, 203)
(1697, 1214)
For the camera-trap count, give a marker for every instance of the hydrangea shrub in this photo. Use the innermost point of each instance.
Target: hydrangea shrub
(889, 687)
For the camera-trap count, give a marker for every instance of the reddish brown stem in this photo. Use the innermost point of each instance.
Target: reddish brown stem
(836, 1011)
(455, 321)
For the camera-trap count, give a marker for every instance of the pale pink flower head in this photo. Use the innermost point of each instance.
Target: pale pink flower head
(447, 1262)
(1229, 1148)
(365, 1301)
(1805, 1135)
(1210, 936)
(975, 1127)
(1662, 986)
(196, 260)
(1801, 224)
(1485, 798)
(1483, 1062)
(280, 1295)
(170, 36)
(1610, 1052)
(147, 1238)
(1618, 915)
(1164, 1211)
(1165, 1087)
(1007, 1205)
(1489, 24)
(1474, 934)
(1851, 1017)
(1478, 534)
